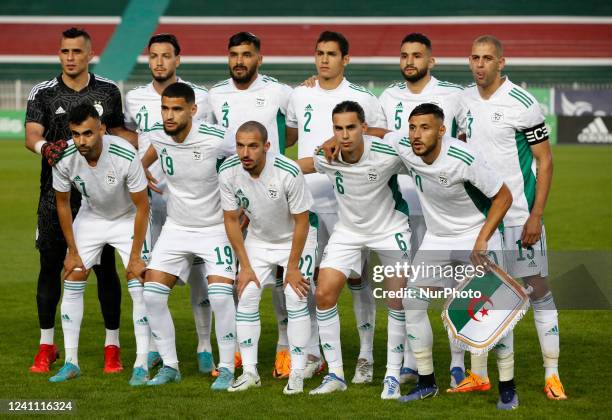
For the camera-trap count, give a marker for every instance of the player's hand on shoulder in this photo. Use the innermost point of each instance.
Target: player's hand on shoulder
(245, 276)
(330, 149)
(310, 82)
(136, 268)
(300, 285)
(152, 182)
(73, 263)
(53, 151)
(532, 231)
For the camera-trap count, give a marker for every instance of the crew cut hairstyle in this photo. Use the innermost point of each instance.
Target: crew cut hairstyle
(73, 32)
(490, 39)
(254, 126)
(427, 109)
(244, 38)
(350, 106)
(180, 90)
(81, 112)
(163, 38)
(417, 37)
(337, 37)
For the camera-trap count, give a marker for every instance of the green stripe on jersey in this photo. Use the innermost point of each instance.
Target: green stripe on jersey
(205, 126)
(122, 149)
(383, 146)
(360, 89)
(462, 153)
(400, 203)
(383, 151)
(404, 142)
(521, 97)
(113, 152)
(522, 94)
(525, 161)
(221, 83)
(460, 157)
(286, 167)
(228, 164)
(313, 219)
(211, 132)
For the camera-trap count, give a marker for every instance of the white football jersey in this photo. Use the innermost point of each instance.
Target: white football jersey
(455, 190)
(269, 200)
(369, 200)
(261, 102)
(503, 129)
(191, 168)
(143, 111)
(106, 187)
(310, 111)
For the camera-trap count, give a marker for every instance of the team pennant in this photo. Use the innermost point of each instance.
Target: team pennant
(484, 310)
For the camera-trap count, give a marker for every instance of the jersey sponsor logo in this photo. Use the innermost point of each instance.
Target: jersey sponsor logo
(224, 107)
(399, 107)
(197, 155)
(308, 108)
(99, 107)
(443, 179)
(111, 178)
(373, 175)
(260, 102)
(497, 117)
(59, 110)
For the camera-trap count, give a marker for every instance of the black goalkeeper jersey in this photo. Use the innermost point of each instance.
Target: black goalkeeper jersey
(49, 104)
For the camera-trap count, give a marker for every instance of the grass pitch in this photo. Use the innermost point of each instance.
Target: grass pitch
(577, 218)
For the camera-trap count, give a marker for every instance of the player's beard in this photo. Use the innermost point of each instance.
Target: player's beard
(417, 76)
(246, 78)
(162, 79)
(179, 128)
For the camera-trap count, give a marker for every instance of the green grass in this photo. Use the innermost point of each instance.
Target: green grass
(577, 218)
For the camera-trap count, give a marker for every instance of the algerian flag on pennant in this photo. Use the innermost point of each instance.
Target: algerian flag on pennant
(483, 310)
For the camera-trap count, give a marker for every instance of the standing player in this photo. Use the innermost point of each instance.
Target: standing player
(505, 123)
(190, 156)
(270, 189)
(398, 101)
(464, 202)
(115, 211)
(143, 111)
(47, 129)
(309, 123)
(365, 173)
(248, 95)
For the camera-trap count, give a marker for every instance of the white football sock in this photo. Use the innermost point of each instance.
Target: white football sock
(547, 325)
(409, 360)
(280, 310)
(396, 335)
(329, 331)
(314, 348)
(478, 364)
(457, 356)
(248, 326)
(72, 315)
(46, 335)
(200, 306)
(160, 320)
(364, 308)
(142, 332)
(504, 351)
(112, 338)
(419, 333)
(298, 328)
(221, 296)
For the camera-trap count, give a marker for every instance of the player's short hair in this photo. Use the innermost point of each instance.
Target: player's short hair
(490, 39)
(81, 112)
(254, 126)
(165, 38)
(338, 38)
(244, 38)
(427, 109)
(180, 90)
(350, 106)
(73, 32)
(417, 37)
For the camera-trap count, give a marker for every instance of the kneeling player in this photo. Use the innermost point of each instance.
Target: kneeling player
(463, 202)
(114, 211)
(373, 216)
(282, 232)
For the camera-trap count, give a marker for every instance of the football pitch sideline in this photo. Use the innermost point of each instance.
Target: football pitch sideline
(578, 218)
